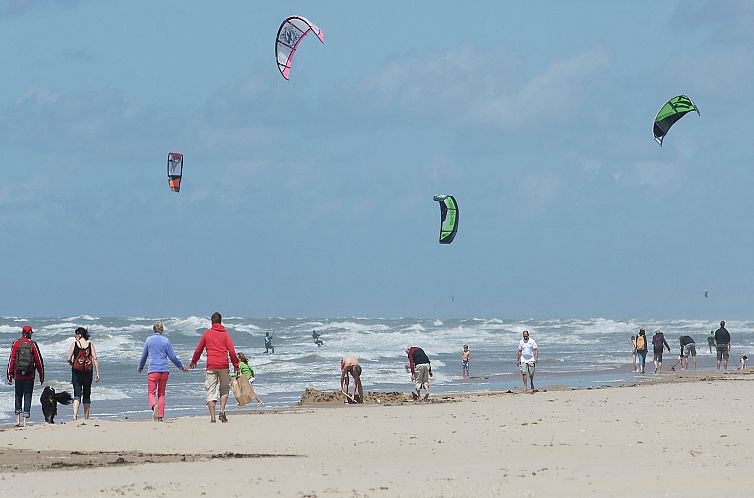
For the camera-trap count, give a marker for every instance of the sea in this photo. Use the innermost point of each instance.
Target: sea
(572, 352)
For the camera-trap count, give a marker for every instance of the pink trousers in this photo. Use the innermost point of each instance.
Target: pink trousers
(157, 381)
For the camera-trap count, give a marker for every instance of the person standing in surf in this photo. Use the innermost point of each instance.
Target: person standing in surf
(465, 357)
(659, 342)
(527, 358)
(641, 348)
(722, 339)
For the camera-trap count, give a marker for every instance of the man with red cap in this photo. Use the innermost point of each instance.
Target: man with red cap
(25, 360)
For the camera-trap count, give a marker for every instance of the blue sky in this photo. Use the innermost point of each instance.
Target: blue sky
(313, 197)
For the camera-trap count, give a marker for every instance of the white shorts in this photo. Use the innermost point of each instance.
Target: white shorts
(421, 375)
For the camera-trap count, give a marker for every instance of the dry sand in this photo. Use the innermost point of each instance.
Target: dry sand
(685, 436)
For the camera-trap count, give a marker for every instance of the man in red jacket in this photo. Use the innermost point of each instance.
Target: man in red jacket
(219, 346)
(25, 360)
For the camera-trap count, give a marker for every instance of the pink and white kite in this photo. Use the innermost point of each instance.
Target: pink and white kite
(290, 34)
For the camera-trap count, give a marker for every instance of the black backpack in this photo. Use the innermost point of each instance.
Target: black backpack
(24, 358)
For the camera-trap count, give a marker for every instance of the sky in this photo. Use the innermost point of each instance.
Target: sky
(313, 197)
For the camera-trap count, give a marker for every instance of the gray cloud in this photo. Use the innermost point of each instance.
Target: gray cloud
(11, 8)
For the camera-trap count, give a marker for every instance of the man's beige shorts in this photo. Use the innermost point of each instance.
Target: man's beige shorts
(421, 375)
(211, 381)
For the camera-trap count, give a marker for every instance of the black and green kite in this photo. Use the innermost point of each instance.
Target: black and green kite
(672, 111)
(448, 217)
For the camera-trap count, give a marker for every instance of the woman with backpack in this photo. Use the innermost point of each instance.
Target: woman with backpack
(84, 368)
(641, 348)
(25, 360)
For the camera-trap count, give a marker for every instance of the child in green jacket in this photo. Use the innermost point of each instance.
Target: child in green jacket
(243, 364)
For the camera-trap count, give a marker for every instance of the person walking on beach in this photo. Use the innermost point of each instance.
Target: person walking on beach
(219, 347)
(158, 349)
(24, 363)
(688, 348)
(421, 371)
(268, 343)
(465, 357)
(84, 368)
(722, 340)
(350, 365)
(659, 342)
(711, 340)
(527, 358)
(245, 368)
(641, 348)
(633, 352)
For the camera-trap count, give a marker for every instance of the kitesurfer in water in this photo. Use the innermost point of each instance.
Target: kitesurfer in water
(315, 336)
(268, 343)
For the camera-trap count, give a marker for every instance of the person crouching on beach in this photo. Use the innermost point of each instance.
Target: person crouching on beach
(641, 348)
(421, 371)
(219, 347)
(24, 362)
(350, 365)
(158, 349)
(527, 358)
(245, 368)
(688, 348)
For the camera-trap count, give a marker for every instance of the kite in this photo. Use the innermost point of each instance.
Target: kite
(448, 217)
(290, 34)
(175, 171)
(672, 111)
(705, 293)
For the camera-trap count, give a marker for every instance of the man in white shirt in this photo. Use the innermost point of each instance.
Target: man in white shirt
(527, 358)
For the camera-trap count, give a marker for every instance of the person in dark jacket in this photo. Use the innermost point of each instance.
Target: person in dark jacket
(421, 370)
(24, 362)
(658, 341)
(722, 339)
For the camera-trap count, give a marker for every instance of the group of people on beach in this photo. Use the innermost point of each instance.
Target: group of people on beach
(26, 361)
(718, 339)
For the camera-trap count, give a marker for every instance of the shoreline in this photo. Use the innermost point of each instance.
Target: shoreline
(693, 429)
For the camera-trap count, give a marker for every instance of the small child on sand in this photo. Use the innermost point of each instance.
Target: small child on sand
(465, 357)
(243, 365)
(744, 362)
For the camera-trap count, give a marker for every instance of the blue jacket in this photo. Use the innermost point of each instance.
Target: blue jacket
(159, 349)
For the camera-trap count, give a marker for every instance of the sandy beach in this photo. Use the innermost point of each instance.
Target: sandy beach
(689, 435)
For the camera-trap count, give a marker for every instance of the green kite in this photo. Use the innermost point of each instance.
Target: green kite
(672, 111)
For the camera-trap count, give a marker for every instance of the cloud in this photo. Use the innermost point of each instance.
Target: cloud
(472, 86)
(10, 8)
(730, 20)
(86, 122)
(659, 178)
(545, 97)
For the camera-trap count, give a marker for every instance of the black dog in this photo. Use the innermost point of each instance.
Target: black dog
(50, 399)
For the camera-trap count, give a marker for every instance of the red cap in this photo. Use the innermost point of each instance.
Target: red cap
(27, 328)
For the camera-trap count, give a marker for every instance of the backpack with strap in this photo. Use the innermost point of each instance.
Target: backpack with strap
(24, 358)
(641, 342)
(82, 358)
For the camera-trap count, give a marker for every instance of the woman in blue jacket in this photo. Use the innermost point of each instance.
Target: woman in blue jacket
(158, 348)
